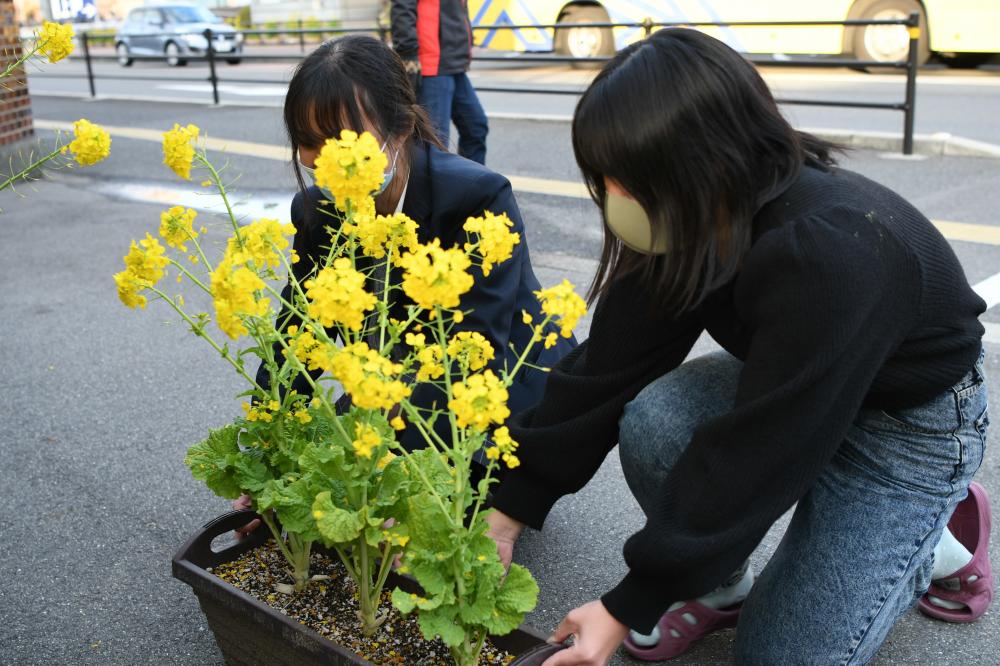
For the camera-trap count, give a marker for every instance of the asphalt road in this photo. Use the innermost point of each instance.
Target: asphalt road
(100, 403)
(961, 102)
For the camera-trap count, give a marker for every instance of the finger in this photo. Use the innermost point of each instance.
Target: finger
(565, 629)
(568, 657)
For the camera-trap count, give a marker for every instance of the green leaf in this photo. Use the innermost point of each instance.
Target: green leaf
(392, 480)
(404, 602)
(430, 528)
(441, 622)
(253, 475)
(517, 596)
(335, 525)
(212, 461)
(429, 574)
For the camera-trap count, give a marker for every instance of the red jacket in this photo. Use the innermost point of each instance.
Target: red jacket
(436, 31)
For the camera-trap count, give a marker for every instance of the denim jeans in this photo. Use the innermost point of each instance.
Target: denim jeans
(451, 98)
(859, 550)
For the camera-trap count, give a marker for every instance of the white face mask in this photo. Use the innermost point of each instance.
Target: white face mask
(386, 177)
(630, 223)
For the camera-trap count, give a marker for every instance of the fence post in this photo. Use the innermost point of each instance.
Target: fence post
(302, 38)
(85, 40)
(212, 77)
(647, 26)
(913, 27)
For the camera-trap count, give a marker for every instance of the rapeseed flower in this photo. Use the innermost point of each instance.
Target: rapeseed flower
(91, 143)
(435, 276)
(562, 303)
(337, 295)
(495, 240)
(178, 149)
(177, 227)
(478, 401)
(260, 242)
(350, 168)
(234, 290)
(370, 379)
(471, 350)
(55, 40)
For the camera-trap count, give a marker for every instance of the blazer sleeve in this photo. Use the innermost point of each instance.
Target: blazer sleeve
(403, 24)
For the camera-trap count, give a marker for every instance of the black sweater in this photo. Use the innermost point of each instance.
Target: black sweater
(848, 298)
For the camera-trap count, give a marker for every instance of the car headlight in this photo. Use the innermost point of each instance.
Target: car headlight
(195, 41)
(239, 38)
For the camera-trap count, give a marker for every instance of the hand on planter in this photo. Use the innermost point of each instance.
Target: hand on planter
(504, 530)
(597, 635)
(241, 533)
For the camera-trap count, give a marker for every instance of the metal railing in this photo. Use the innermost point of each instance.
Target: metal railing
(212, 56)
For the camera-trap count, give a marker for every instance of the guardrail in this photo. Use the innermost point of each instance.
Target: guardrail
(211, 56)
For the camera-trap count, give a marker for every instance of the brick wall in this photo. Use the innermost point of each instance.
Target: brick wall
(15, 103)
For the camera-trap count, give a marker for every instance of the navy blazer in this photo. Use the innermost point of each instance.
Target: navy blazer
(442, 192)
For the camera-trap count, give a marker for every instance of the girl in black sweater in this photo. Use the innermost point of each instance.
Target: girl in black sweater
(851, 381)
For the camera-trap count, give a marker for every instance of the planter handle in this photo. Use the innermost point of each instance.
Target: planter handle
(199, 549)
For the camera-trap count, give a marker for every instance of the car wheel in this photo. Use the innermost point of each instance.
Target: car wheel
(889, 43)
(234, 61)
(173, 53)
(585, 42)
(124, 57)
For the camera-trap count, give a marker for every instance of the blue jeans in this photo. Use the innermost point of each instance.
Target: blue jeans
(859, 550)
(451, 98)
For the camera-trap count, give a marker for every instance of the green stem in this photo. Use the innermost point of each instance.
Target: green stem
(20, 61)
(217, 179)
(278, 539)
(25, 171)
(201, 333)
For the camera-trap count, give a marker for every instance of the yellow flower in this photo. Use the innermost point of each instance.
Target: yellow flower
(91, 143)
(366, 438)
(415, 340)
(435, 276)
(233, 290)
(370, 379)
(495, 240)
(397, 423)
(378, 232)
(470, 349)
(386, 459)
(178, 149)
(350, 168)
(430, 363)
(55, 40)
(550, 340)
(563, 304)
(177, 227)
(337, 295)
(303, 416)
(129, 288)
(146, 263)
(260, 242)
(479, 401)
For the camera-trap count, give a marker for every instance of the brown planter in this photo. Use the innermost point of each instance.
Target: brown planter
(250, 632)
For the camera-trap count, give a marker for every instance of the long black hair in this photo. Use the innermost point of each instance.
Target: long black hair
(690, 130)
(342, 84)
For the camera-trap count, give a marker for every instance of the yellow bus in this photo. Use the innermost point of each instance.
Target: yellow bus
(960, 31)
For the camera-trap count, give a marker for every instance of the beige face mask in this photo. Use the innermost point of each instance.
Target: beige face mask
(629, 222)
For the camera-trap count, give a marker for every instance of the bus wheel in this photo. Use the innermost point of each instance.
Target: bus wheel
(585, 42)
(888, 43)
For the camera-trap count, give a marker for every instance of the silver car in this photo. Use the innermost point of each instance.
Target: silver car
(175, 31)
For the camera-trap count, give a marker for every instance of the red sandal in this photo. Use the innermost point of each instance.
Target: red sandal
(971, 526)
(670, 646)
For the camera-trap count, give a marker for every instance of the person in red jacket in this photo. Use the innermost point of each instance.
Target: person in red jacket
(434, 39)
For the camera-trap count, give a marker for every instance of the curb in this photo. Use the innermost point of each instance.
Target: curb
(939, 143)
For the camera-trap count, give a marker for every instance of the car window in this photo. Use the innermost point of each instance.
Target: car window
(135, 16)
(154, 17)
(185, 14)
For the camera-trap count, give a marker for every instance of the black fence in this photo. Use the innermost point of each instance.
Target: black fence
(212, 56)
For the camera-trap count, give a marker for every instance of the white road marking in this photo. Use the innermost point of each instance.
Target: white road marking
(989, 290)
(245, 90)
